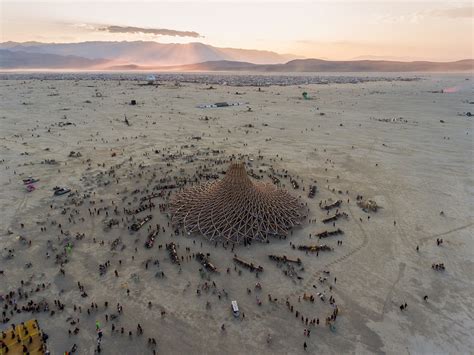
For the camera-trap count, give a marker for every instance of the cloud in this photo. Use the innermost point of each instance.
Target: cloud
(153, 31)
(417, 17)
(457, 12)
(414, 18)
(83, 26)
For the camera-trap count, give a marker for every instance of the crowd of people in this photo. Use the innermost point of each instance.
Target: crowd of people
(62, 249)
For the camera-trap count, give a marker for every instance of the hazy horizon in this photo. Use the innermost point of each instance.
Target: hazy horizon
(350, 30)
(359, 57)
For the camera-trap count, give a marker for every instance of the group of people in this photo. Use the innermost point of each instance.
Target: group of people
(438, 266)
(62, 250)
(12, 301)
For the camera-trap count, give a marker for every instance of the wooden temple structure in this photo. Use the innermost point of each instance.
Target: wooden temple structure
(236, 209)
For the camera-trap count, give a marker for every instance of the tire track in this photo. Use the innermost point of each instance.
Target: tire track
(424, 239)
(401, 272)
(317, 273)
(365, 240)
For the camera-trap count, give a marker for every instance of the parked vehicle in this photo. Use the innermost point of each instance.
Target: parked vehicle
(30, 180)
(58, 191)
(235, 309)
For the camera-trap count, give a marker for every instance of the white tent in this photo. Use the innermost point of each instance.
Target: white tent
(150, 79)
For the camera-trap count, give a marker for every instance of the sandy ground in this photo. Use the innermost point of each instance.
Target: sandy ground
(413, 167)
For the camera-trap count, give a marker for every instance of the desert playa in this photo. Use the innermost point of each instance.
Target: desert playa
(379, 259)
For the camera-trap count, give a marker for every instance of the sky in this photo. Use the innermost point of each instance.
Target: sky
(336, 30)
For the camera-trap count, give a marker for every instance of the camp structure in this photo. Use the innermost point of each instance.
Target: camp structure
(204, 260)
(150, 79)
(330, 206)
(326, 234)
(368, 205)
(26, 335)
(284, 259)
(140, 223)
(335, 217)
(315, 248)
(236, 209)
(248, 265)
(222, 104)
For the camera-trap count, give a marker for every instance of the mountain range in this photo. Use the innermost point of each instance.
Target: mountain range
(147, 55)
(318, 65)
(148, 52)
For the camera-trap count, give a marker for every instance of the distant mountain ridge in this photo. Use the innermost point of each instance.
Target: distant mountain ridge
(139, 55)
(317, 65)
(24, 60)
(150, 53)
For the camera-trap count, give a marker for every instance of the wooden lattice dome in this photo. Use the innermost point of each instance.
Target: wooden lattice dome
(235, 208)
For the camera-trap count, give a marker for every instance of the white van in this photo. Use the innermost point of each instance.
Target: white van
(235, 309)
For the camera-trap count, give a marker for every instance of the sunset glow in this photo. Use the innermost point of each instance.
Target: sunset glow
(399, 30)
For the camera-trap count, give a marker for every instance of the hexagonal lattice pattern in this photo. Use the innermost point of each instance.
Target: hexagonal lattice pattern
(236, 209)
